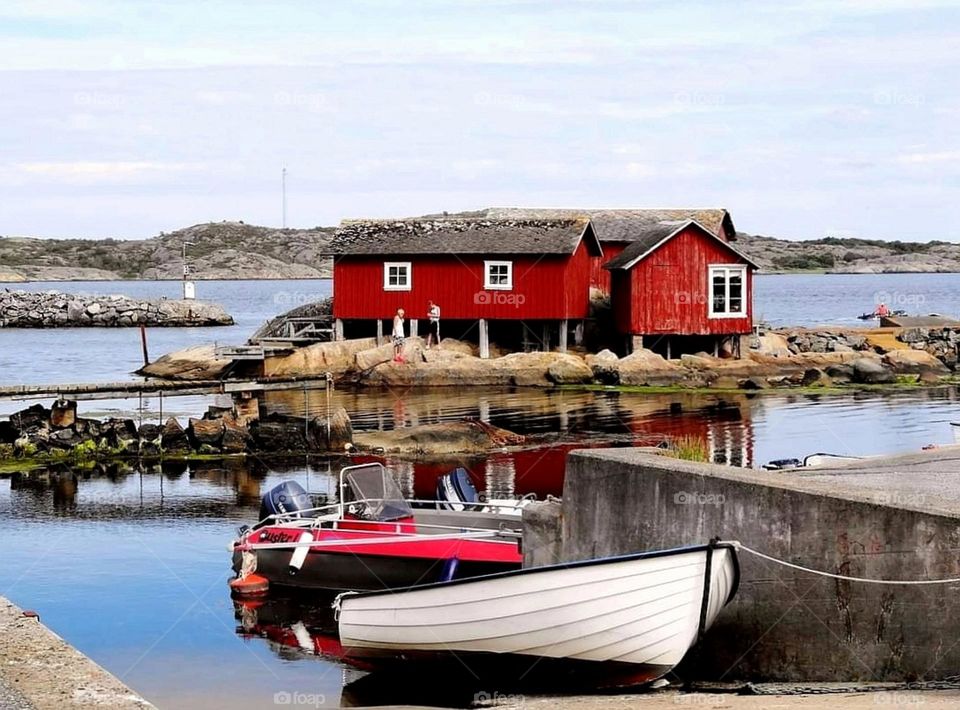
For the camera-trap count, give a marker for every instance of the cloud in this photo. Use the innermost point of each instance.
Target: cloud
(99, 172)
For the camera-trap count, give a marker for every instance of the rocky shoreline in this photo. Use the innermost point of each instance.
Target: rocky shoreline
(53, 309)
(42, 435)
(777, 359)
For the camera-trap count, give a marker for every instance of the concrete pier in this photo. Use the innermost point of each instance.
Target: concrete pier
(895, 518)
(40, 670)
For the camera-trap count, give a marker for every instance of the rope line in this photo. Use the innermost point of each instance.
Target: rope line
(744, 548)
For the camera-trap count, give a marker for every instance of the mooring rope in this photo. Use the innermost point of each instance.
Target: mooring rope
(744, 548)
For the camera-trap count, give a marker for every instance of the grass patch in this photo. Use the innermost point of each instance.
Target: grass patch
(689, 448)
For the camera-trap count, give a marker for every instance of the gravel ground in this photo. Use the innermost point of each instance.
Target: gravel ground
(10, 699)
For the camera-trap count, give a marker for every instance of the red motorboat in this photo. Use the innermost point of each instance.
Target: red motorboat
(373, 538)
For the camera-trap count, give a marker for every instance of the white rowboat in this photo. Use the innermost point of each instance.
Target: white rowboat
(611, 621)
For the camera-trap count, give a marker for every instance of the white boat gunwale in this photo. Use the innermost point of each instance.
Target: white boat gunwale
(709, 548)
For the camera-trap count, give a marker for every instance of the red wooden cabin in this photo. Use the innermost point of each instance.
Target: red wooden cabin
(480, 272)
(616, 229)
(681, 287)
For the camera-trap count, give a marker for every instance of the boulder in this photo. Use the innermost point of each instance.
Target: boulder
(121, 434)
(337, 357)
(34, 417)
(569, 369)
(754, 383)
(605, 366)
(235, 438)
(871, 371)
(340, 435)
(279, 435)
(914, 362)
(205, 432)
(150, 439)
(173, 437)
(8, 432)
(812, 377)
(63, 414)
(840, 372)
(646, 368)
(199, 362)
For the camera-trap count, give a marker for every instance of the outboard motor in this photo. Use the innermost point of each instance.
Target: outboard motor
(288, 498)
(456, 487)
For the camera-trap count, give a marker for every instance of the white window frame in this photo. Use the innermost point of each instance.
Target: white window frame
(727, 270)
(497, 287)
(387, 265)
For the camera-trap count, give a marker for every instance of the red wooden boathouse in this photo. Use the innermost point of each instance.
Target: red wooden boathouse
(481, 272)
(682, 288)
(616, 229)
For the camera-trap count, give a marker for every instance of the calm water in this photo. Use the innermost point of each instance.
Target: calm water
(131, 566)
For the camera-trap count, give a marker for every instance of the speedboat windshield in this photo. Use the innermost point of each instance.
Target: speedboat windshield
(378, 490)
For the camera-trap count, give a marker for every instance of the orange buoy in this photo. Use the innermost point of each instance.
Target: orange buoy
(253, 585)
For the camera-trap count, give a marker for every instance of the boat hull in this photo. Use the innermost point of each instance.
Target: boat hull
(340, 572)
(627, 620)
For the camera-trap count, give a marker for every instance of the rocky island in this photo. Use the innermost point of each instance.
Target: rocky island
(235, 250)
(52, 309)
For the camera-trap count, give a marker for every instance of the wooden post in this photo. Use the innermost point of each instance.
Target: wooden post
(484, 340)
(413, 327)
(143, 343)
(669, 354)
(338, 329)
(636, 343)
(578, 334)
(563, 335)
(379, 332)
(546, 337)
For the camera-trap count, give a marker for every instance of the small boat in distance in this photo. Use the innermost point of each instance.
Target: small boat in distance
(372, 538)
(613, 621)
(811, 461)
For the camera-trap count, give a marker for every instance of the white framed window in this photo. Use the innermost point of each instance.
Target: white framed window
(397, 276)
(498, 275)
(728, 291)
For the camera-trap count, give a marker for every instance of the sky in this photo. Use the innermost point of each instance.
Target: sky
(804, 118)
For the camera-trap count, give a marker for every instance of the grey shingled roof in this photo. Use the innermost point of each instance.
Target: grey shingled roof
(626, 225)
(455, 235)
(653, 235)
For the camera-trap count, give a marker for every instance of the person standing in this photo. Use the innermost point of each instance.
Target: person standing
(398, 336)
(433, 331)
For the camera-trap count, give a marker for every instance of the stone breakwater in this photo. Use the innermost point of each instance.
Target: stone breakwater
(52, 309)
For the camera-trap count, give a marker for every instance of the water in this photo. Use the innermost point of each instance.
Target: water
(131, 566)
(837, 299)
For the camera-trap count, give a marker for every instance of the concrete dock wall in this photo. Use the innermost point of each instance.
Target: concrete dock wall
(787, 625)
(40, 670)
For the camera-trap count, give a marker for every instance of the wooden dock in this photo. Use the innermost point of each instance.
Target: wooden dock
(152, 388)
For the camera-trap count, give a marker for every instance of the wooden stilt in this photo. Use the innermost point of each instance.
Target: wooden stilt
(379, 332)
(484, 340)
(636, 343)
(564, 327)
(669, 348)
(545, 340)
(578, 334)
(413, 327)
(338, 329)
